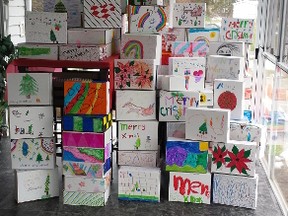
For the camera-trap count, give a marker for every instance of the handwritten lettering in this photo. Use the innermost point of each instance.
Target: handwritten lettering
(132, 127)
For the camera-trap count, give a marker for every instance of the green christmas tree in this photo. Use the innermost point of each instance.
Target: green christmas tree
(47, 158)
(47, 184)
(39, 158)
(53, 36)
(60, 7)
(203, 128)
(28, 86)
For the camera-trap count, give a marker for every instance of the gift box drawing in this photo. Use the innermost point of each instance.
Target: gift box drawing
(189, 49)
(229, 190)
(234, 157)
(135, 74)
(186, 15)
(102, 14)
(33, 153)
(207, 124)
(186, 156)
(94, 98)
(190, 187)
(139, 184)
(137, 158)
(229, 94)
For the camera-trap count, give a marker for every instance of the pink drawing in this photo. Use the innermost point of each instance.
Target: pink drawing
(82, 184)
(139, 109)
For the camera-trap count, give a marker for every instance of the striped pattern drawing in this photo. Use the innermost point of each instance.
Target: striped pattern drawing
(102, 14)
(83, 198)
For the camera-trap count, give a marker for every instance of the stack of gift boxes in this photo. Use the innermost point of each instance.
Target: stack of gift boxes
(33, 152)
(135, 81)
(58, 32)
(86, 140)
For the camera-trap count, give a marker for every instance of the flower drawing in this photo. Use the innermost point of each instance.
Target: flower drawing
(144, 75)
(238, 159)
(218, 156)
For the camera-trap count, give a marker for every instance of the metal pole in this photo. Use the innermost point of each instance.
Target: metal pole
(1, 18)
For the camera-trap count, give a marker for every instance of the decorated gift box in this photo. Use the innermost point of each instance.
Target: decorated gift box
(83, 52)
(206, 98)
(85, 198)
(235, 190)
(102, 14)
(135, 46)
(94, 98)
(189, 49)
(138, 135)
(74, 9)
(36, 153)
(87, 123)
(129, 106)
(204, 34)
(229, 94)
(29, 88)
(90, 170)
(224, 67)
(31, 122)
(190, 187)
(175, 129)
(38, 51)
(81, 36)
(135, 74)
(88, 185)
(86, 155)
(182, 83)
(234, 157)
(186, 155)
(170, 35)
(173, 105)
(146, 19)
(139, 184)
(188, 15)
(45, 27)
(207, 124)
(233, 29)
(137, 158)
(187, 66)
(227, 48)
(36, 184)
(86, 139)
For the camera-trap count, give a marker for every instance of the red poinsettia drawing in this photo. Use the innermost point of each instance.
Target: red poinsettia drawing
(218, 156)
(143, 75)
(238, 159)
(123, 73)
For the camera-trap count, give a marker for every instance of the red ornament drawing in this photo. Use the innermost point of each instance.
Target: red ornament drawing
(227, 100)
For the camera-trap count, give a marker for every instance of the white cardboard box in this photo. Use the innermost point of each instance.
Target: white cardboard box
(182, 83)
(145, 46)
(36, 184)
(33, 153)
(169, 35)
(38, 51)
(82, 36)
(147, 19)
(224, 67)
(188, 15)
(190, 187)
(139, 74)
(138, 135)
(184, 66)
(31, 122)
(139, 183)
(234, 158)
(203, 34)
(229, 94)
(135, 105)
(207, 124)
(227, 48)
(173, 105)
(138, 158)
(189, 49)
(102, 14)
(148, 2)
(45, 27)
(175, 129)
(233, 29)
(228, 190)
(29, 88)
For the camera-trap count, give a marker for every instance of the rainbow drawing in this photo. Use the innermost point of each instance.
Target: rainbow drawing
(143, 19)
(135, 10)
(134, 48)
(180, 48)
(163, 19)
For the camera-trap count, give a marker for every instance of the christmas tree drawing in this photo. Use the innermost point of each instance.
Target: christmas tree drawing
(39, 158)
(47, 184)
(53, 36)
(60, 7)
(28, 86)
(203, 128)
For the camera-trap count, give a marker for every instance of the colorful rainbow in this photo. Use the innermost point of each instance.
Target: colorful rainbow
(202, 39)
(136, 46)
(135, 10)
(143, 19)
(163, 19)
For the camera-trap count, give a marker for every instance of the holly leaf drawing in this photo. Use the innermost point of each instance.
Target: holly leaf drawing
(235, 150)
(219, 164)
(117, 70)
(247, 153)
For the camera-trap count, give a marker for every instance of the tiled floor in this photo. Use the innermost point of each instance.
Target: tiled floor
(267, 205)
